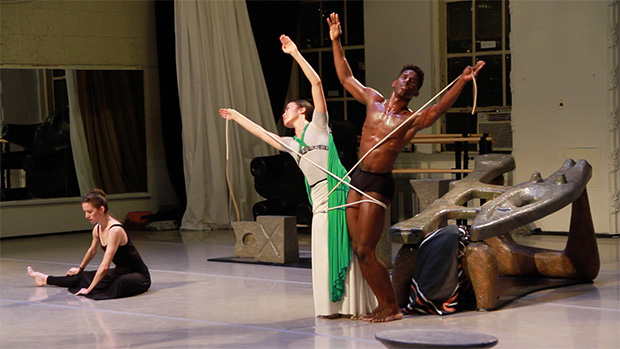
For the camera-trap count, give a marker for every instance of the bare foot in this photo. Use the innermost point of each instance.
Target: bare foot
(383, 315)
(371, 315)
(40, 279)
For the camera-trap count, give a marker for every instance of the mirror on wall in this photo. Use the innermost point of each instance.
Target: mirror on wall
(65, 131)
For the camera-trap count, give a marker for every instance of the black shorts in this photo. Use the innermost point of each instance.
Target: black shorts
(383, 184)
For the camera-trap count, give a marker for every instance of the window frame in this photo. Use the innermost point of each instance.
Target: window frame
(474, 54)
(297, 78)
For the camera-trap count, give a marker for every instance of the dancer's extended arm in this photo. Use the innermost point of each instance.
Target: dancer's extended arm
(428, 117)
(115, 235)
(255, 129)
(88, 256)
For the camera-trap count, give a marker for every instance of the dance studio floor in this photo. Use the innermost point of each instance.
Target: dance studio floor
(194, 303)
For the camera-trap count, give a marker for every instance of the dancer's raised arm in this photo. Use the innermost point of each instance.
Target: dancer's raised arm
(345, 74)
(318, 97)
(255, 129)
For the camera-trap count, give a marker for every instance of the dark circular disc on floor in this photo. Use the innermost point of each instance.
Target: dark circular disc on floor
(411, 338)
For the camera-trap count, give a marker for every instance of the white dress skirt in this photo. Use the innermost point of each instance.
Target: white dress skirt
(358, 299)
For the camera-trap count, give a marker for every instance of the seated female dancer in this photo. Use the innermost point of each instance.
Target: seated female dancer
(338, 285)
(129, 277)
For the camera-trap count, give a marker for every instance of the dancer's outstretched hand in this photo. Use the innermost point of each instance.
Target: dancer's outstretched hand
(228, 113)
(288, 46)
(82, 291)
(335, 31)
(475, 69)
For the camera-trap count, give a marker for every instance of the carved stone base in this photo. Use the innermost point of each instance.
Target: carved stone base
(404, 263)
(269, 239)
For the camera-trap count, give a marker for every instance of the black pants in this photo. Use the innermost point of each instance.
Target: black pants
(112, 285)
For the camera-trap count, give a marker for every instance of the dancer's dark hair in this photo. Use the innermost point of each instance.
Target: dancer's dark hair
(418, 72)
(96, 197)
(302, 103)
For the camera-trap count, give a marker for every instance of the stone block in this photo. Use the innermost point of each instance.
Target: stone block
(278, 241)
(245, 238)
(270, 239)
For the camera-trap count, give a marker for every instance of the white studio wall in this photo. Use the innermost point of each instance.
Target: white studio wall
(560, 86)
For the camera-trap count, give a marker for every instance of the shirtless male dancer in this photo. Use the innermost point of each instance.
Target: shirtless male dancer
(374, 175)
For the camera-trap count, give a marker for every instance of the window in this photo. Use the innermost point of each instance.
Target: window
(315, 45)
(36, 149)
(59, 93)
(478, 30)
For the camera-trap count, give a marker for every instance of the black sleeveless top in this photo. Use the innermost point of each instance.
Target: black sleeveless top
(127, 259)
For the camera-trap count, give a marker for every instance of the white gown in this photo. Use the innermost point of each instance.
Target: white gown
(358, 299)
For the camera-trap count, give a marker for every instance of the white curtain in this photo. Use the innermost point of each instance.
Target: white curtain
(218, 66)
(79, 147)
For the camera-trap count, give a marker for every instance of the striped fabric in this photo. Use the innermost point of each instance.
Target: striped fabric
(439, 285)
